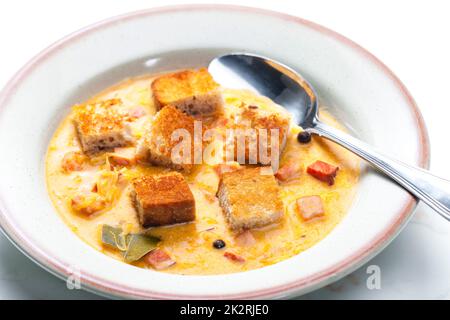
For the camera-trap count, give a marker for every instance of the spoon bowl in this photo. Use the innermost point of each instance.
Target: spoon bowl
(271, 79)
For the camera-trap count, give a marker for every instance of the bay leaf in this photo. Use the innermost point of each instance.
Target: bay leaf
(139, 245)
(114, 237)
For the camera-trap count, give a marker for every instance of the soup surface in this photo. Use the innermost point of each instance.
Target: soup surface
(190, 245)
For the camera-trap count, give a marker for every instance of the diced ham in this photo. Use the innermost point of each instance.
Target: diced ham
(288, 171)
(73, 161)
(310, 207)
(233, 257)
(226, 167)
(88, 204)
(123, 157)
(159, 259)
(245, 239)
(137, 112)
(323, 171)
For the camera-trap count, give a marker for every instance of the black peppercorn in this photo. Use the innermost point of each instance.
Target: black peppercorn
(304, 137)
(219, 244)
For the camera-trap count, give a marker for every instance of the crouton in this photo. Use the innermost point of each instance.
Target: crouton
(249, 199)
(264, 126)
(192, 91)
(163, 199)
(101, 125)
(310, 207)
(158, 144)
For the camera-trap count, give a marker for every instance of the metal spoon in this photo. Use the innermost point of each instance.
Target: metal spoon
(287, 88)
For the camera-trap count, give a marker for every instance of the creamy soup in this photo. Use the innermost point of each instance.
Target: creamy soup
(190, 245)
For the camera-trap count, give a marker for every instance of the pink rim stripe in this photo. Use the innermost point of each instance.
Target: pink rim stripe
(101, 286)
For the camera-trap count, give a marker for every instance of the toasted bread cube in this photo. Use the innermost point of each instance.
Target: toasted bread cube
(163, 199)
(264, 126)
(192, 91)
(101, 125)
(310, 207)
(158, 145)
(249, 198)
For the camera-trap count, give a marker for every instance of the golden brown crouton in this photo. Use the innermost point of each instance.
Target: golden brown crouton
(255, 145)
(163, 199)
(101, 125)
(192, 91)
(249, 198)
(169, 128)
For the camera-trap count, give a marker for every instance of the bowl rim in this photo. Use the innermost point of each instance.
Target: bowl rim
(348, 264)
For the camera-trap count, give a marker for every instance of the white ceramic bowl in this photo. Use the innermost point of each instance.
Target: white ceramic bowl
(359, 89)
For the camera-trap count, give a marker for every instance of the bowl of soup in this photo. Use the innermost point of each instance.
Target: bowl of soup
(127, 166)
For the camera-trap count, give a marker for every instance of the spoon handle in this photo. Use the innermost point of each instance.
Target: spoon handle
(432, 190)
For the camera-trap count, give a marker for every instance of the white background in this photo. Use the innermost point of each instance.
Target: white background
(411, 37)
